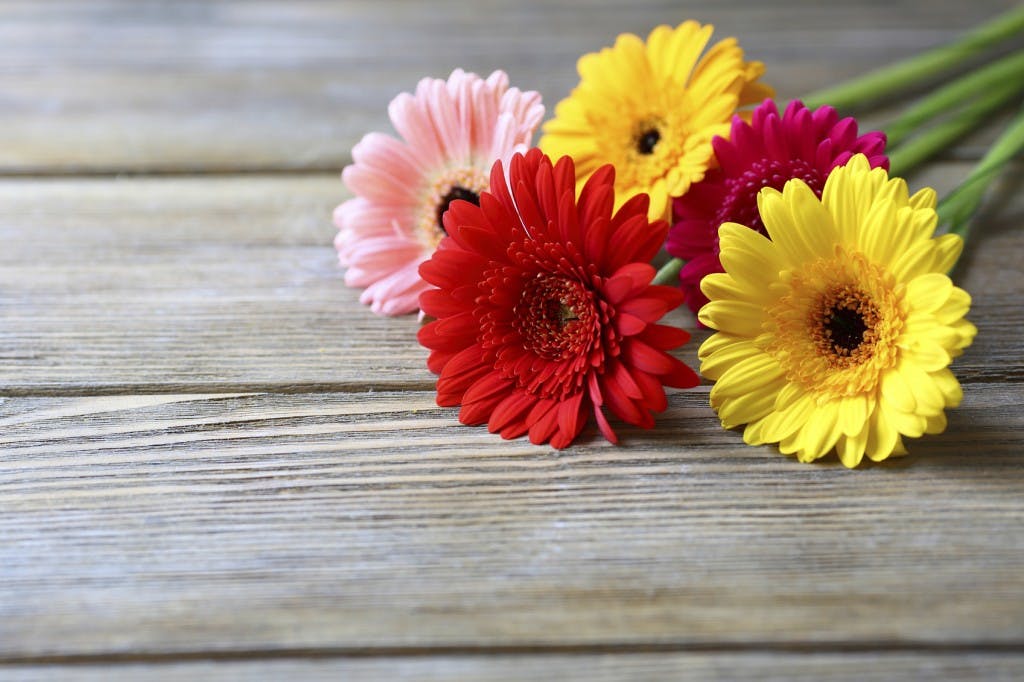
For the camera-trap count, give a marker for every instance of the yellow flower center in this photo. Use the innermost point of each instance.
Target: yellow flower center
(834, 328)
(460, 183)
(845, 326)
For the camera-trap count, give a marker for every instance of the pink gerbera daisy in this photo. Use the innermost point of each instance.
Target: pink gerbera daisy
(545, 310)
(767, 152)
(452, 132)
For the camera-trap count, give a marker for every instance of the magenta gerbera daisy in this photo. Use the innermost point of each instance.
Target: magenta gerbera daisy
(451, 132)
(545, 309)
(767, 152)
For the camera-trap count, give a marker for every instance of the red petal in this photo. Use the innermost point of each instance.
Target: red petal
(653, 391)
(621, 377)
(665, 337)
(624, 408)
(629, 325)
(542, 429)
(646, 308)
(681, 376)
(597, 196)
(437, 360)
(571, 416)
(604, 426)
(646, 358)
(628, 280)
(439, 303)
(460, 372)
(462, 327)
(487, 387)
(510, 413)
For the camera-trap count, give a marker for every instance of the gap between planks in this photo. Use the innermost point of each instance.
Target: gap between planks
(469, 650)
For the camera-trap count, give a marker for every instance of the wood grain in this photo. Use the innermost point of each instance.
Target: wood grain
(215, 464)
(154, 525)
(114, 86)
(213, 284)
(767, 667)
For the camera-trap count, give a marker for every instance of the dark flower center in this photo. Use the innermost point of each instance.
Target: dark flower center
(555, 316)
(844, 326)
(456, 192)
(647, 141)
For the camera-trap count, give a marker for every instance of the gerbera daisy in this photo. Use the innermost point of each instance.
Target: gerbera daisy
(767, 152)
(451, 132)
(837, 332)
(545, 312)
(651, 110)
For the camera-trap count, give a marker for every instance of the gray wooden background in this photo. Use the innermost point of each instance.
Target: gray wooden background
(215, 464)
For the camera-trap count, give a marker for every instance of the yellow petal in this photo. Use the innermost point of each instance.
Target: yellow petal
(733, 317)
(936, 423)
(948, 248)
(875, 238)
(925, 353)
(749, 257)
(748, 407)
(781, 424)
(924, 198)
(853, 414)
(927, 395)
(896, 391)
(817, 231)
(713, 365)
(882, 436)
(950, 388)
(756, 370)
(820, 432)
(907, 424)
(928, 292)
(850, 448)
(955, 306)
(717, 342)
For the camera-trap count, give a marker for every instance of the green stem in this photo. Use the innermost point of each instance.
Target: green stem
(889, 79)
(669, 273)
(960, 205)
(1006, 74)
(918, 149)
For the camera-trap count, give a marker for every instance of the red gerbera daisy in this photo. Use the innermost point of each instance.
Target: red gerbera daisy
(767, 152)
(545, 311)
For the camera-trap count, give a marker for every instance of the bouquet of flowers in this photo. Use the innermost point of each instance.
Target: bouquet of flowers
(791, 234)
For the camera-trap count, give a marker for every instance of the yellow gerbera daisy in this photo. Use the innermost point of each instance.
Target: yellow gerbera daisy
(651, 109)
(839, 331)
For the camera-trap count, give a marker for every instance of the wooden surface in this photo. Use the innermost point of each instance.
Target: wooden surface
(215, 464)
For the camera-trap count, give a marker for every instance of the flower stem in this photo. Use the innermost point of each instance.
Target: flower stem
(895, 77)
(669, 273)
(918, 149)
(1006, 75)
(958, 207)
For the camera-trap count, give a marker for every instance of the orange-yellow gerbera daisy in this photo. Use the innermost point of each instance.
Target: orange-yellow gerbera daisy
(651, 110)
(839, 331)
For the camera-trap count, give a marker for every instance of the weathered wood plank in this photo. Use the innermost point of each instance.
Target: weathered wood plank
(117, 85)
(231, 283)
(669, 667)
(151, 525)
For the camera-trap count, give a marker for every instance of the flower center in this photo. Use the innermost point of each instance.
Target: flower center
(843, 326)
(456, 192)
(648, 140)
(835, 326)
(740, 204)
(458, 183)
(555, 316)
